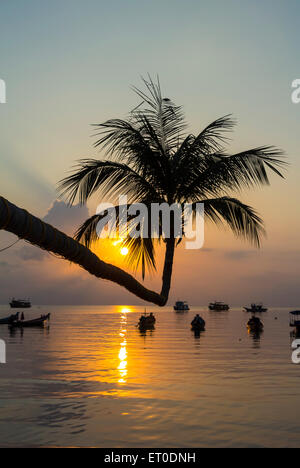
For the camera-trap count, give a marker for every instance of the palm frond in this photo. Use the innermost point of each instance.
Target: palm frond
(112, 178)
(137, 146)
(87, 232)
(222, 173)
(141, 253)
(242, 219)
(141, 249)
(214, 136)
(191, 157)
(166, 118)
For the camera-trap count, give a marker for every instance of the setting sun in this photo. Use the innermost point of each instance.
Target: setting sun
(124, 251)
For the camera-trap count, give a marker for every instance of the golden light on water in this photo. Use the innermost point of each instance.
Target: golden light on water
(122, 367)
(125, 310)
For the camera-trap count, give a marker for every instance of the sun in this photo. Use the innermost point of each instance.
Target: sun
(124, 251)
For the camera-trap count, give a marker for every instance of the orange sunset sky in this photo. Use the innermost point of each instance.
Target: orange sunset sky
(67, 66)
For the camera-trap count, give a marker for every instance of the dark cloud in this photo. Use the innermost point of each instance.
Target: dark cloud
(65, 218)
(7, 266)
(30, 252)
(240, 254)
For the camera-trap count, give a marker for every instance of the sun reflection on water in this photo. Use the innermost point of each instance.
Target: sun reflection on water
(122, 367)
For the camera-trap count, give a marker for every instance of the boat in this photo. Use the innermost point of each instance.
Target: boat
(295, 320)
(146, 321)
(198, 324)
(255, 325)
(38, 322)
(256, 308)
(20, 303)
(218, 306)
(198, 328)
(181, 306)
(10, 319)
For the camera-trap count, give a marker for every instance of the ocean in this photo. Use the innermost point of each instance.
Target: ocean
(91, 378)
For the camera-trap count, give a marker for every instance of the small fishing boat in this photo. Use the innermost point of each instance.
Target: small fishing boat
(218, 306)
(20, 303)
(198, 324)
(146, 321)
(181, 306)
(256, 308)
(295, 320)
(255, 325)
(10, 319)
(198, 328)
(38, 322)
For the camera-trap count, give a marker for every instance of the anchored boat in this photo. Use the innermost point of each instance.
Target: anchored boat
(38, 322)
(146, 321)
(256, 308)
(295, 320)
(218, 306)
(10, 319)
(20, 303)
(181, 306)
(255, 325)
(198, 324)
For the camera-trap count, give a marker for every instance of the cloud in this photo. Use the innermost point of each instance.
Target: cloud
(30, 252)
(63, 217)
(66, 218)
(7, 266)
(240, 254)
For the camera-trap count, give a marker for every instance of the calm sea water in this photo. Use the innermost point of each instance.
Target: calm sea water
(92, 379)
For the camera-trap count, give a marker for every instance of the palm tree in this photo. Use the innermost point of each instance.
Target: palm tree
(152, 159)
(32, 229)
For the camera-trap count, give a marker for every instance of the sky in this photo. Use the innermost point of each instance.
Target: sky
(70, 63)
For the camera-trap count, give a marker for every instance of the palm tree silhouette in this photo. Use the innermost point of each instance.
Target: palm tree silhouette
(152, 159)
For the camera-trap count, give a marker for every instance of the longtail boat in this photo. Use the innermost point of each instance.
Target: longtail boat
(39, 322)
(255, 325)
(146, 322)
(198, 324)
(10, 319)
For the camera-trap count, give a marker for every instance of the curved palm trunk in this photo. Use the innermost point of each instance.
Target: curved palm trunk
(168, 267)
(26, 226)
